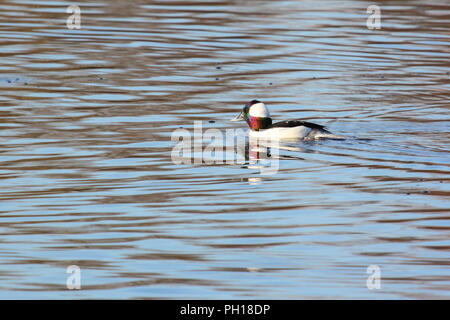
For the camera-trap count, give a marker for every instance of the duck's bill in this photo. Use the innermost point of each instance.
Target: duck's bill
(239, 117)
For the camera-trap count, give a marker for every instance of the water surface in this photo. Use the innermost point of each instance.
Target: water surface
(87, 179)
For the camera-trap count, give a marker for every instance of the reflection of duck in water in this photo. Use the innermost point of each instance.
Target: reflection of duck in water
(258, 119)
(264, 155)
(259, 156)
(257, 151)
(262, 149)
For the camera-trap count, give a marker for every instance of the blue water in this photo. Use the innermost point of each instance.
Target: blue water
(87, 177)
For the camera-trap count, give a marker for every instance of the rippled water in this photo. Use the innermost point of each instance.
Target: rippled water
(87, 178)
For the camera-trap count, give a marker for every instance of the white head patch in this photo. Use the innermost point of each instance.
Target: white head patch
(259, 110)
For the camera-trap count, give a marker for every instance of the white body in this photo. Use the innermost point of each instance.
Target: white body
(293, 133)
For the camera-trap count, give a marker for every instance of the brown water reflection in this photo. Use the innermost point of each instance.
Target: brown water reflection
(86, 175)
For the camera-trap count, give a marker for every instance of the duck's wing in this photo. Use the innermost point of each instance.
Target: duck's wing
(297, 123)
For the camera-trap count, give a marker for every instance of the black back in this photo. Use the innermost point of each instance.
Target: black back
(297, 123)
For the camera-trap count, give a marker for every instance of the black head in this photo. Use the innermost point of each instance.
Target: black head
(260, 118)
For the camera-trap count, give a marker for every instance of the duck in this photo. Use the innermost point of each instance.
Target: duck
(258, 118)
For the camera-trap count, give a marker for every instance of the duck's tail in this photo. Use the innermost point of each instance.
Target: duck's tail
(323, 134)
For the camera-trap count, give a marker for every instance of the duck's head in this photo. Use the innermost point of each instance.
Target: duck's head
(256, 114)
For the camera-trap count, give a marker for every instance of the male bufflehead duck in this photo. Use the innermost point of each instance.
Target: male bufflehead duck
(257, 116)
